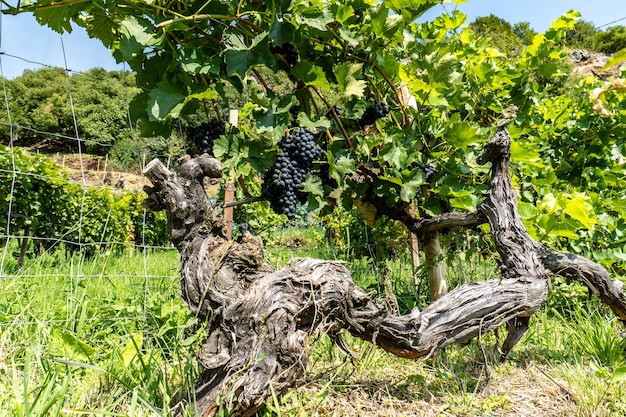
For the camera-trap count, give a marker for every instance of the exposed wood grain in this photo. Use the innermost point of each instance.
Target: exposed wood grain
(259, 319)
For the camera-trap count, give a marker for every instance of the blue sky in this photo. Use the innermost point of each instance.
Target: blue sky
(22, 36)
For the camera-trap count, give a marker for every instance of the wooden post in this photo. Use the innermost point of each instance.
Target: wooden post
(229, 194)
(434, 263)
(415, 255)
(106, 162)
(229, 198)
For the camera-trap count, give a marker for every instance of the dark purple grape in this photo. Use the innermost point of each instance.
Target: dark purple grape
(201, 138)
(372, 113)
(287, 51)
(284, 179)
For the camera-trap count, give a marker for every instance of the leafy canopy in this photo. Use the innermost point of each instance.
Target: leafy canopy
(446, 86)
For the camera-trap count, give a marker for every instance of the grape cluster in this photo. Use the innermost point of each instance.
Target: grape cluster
(287, 51)
(429, 170)
(372, 113)
(294, 111)
(283, 181)
(337, 110)
(202, 137)
(323, 173)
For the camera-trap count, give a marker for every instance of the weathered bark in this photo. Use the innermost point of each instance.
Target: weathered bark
(259, 318)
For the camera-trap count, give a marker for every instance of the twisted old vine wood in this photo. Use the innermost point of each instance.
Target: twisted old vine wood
(259, 319)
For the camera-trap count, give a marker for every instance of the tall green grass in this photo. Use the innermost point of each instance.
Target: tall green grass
(104, 336)
(110, 336)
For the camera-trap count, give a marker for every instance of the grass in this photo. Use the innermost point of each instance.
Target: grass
(109, 336)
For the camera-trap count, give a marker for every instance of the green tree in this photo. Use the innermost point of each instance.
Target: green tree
(524, 31)
(506, 38)
(582, 36)
(41, 110)
(611, 40)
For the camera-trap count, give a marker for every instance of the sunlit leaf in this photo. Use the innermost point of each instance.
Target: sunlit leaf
(313, 185)
(165, 101)
(310, 74)
(69, 346)
(462, 134)
(579, 208)
(617, 58)
(132, 349)
(137, 35)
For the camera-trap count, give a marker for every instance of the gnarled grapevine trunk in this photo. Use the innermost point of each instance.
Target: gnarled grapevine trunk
(259, 318)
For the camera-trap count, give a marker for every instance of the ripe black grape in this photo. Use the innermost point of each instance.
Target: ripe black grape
(287, 51)
(323, 173)
(372, 113)
(337, 110)
(283, 181)
(429, 170)
(201, 138)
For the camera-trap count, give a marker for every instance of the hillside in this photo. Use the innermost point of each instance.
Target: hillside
(590, 64)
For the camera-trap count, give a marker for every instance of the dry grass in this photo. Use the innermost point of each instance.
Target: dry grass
(452, 384)
(516, 392)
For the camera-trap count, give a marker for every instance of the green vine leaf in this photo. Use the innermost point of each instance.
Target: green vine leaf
(241, 59)
(136, 36)
(310, 74)
(165, 101)
(347, 79)
(461, 134)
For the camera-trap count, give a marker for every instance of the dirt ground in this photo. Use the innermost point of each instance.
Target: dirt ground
(520, 392)
(93, 171)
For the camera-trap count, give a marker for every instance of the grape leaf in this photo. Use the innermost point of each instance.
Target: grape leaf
(410, 9)
(341, 163)
(313, 185)
(526, 154)
(304, 121)
(462, 134)
(136, 36)
(348, 83)
(467, 201)
(396, 156)
(100, 28)
(344, 13)
(58, 19)
(408, 191)
(619, 56)
(193, 61)
(241, 59)
(310, 74)
(281, 32)
(578, 207)
(165, 101)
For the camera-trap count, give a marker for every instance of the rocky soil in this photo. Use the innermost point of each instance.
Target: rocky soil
(589, 64)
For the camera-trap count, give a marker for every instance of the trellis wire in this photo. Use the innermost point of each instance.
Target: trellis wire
(78, 273)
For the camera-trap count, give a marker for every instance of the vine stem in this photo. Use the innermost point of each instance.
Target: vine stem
(218, 17)
(394, 89)
(260, 78)
(341, 126)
